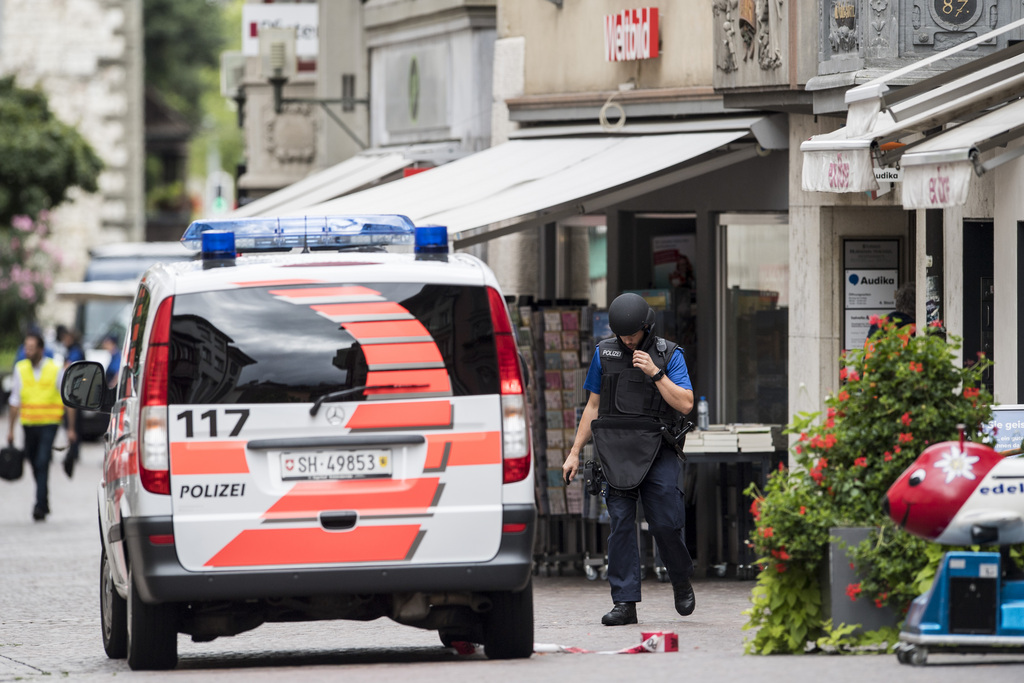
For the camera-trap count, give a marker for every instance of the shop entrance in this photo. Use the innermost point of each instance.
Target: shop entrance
(754, 319)
(979, 311)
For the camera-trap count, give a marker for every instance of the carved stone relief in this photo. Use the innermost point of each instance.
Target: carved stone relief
(726, 10)
(749, 28)
(879, 17)
(842, 34)
(290, 137)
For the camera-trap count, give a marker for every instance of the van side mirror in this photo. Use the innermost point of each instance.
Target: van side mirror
(85, 387)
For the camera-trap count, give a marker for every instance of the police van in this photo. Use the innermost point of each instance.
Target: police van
(319, 418)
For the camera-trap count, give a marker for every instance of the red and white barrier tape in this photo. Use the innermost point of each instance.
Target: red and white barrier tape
(657, 641)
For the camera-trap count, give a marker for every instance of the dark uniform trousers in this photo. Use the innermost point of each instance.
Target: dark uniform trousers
(665, 512)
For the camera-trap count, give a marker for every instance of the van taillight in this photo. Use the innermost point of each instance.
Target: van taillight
(154, 460)
(515, 427)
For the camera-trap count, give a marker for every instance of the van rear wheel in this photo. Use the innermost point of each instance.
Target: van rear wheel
(113, 613)
(508, 626)
(152, 633)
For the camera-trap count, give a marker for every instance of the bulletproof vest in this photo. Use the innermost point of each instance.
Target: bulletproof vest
(627, 391)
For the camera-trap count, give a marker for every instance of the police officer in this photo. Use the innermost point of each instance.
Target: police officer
(638, 386)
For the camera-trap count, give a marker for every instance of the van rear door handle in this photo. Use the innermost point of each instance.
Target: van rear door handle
(339, 520)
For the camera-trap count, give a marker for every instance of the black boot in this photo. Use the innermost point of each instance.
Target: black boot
(622, 613)
(685, 599)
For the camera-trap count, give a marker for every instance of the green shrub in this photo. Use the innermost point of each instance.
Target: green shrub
(900, 394)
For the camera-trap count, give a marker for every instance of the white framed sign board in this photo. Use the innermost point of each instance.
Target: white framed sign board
(870, 278)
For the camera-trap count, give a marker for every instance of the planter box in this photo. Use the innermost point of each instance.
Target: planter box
(836, 604)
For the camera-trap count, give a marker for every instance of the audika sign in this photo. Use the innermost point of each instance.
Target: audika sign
(871, 276)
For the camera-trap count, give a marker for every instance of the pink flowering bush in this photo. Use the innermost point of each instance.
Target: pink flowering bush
(899, 394)
(28, 259)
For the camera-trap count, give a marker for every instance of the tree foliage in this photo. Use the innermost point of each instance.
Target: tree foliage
(182, 37)
(41, 158)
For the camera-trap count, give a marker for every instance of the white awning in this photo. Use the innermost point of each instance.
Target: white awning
(525, 183)
(97, 290)
(937, 173)
(348, 176)
(885, 126)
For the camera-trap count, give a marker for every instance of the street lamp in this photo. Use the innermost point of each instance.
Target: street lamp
(277, 62)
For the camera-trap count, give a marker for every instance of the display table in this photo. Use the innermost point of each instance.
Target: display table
(727, 459)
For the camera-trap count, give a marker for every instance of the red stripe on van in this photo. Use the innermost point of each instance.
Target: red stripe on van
(430, 381)
(407, 352)
(477, 448)
(263, 547)
(208, 457)
(312, 498)
(360, 309)
(403, 415)
(389, 329)
(306, 292)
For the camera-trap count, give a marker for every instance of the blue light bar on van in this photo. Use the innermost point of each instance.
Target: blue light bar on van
(218, 244)
(431, 239)
(274, 234)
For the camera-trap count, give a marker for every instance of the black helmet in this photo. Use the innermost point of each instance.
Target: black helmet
(629, 313)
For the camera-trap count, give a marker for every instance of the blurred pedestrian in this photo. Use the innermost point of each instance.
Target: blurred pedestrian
(35, 402)
(33, 329)
(110, 345)
(906, 303)
(73, 352)
(72, 345)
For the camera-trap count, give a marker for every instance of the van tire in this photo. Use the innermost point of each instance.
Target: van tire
(152, 633)
(113, 613)
(508, 626)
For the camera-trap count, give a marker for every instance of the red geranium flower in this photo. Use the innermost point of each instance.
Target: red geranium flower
(853, 590)
(906, 437)
(861, 461)
(971, 392)
(906, 419)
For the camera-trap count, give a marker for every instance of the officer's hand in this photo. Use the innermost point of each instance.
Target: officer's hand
(643, 361)
(570, 467)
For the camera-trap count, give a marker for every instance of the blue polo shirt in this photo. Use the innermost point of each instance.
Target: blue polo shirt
(676, 372)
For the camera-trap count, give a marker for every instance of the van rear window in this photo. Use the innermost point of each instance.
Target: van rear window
(294, 344)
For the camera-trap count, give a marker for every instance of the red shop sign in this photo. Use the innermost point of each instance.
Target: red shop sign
(631, 34)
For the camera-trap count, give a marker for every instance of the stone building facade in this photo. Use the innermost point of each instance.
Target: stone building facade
(87, 57)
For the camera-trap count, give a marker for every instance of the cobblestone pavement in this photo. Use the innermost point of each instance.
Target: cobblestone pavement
(49, 624)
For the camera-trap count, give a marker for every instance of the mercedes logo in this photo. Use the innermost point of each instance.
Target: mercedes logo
(335, 415)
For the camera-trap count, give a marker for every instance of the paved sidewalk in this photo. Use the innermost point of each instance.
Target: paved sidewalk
(49, 624)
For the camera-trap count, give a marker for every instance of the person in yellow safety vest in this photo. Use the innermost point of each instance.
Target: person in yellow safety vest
(35, 399)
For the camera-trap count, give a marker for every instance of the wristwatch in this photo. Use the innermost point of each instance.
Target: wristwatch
(658, 375)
